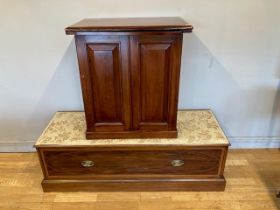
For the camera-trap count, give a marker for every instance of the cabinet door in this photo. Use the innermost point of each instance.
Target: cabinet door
(103, 62)
(155, 66)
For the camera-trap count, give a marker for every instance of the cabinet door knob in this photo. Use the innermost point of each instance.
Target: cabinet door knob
(87, 163)
(177, 163)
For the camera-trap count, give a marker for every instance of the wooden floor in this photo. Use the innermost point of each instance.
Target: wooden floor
(253, 177)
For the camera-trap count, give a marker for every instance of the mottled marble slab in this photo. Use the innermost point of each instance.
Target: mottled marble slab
(195, 128)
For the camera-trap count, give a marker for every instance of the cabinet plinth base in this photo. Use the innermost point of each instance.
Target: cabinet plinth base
(131, 134)
(194, 161)
(135, 185)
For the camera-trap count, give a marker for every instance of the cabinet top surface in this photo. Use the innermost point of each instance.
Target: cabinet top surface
(129, 25)
(195, 128)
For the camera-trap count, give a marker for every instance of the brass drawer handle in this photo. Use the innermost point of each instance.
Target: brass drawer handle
(87, 163)
(177, 163)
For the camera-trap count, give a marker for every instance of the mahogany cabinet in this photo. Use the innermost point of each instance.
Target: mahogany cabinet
(129, 70)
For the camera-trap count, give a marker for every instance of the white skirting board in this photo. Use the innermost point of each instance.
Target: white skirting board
(17, 146)
(236, 143)
(254, 142)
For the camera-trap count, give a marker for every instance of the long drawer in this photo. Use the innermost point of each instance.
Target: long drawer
(83, 162)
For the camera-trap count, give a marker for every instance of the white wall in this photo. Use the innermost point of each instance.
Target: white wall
(231, 63)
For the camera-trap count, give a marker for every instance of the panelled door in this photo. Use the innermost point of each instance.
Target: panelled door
(155, 68)
(104, 71)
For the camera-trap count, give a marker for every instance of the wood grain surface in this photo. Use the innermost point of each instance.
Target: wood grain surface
(130, 24)
(62, 162)
(155, 70)
(253, 177)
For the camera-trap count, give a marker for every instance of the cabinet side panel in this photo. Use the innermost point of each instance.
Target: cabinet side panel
(174, 81)
(85, 79)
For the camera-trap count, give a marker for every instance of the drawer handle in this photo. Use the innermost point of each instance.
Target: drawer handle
(177, 163)
(87, 163)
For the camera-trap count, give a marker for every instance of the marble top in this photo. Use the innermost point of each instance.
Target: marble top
(195, 128)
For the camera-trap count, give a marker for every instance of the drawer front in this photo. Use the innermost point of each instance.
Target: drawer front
(132, 162)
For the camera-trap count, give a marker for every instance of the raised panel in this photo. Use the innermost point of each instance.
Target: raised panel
(155, 66)
(104, 72)
(105, 76)
(154, 70)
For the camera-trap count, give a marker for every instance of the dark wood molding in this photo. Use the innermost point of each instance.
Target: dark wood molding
(129, 25)
(217, 184)
(132, 134)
